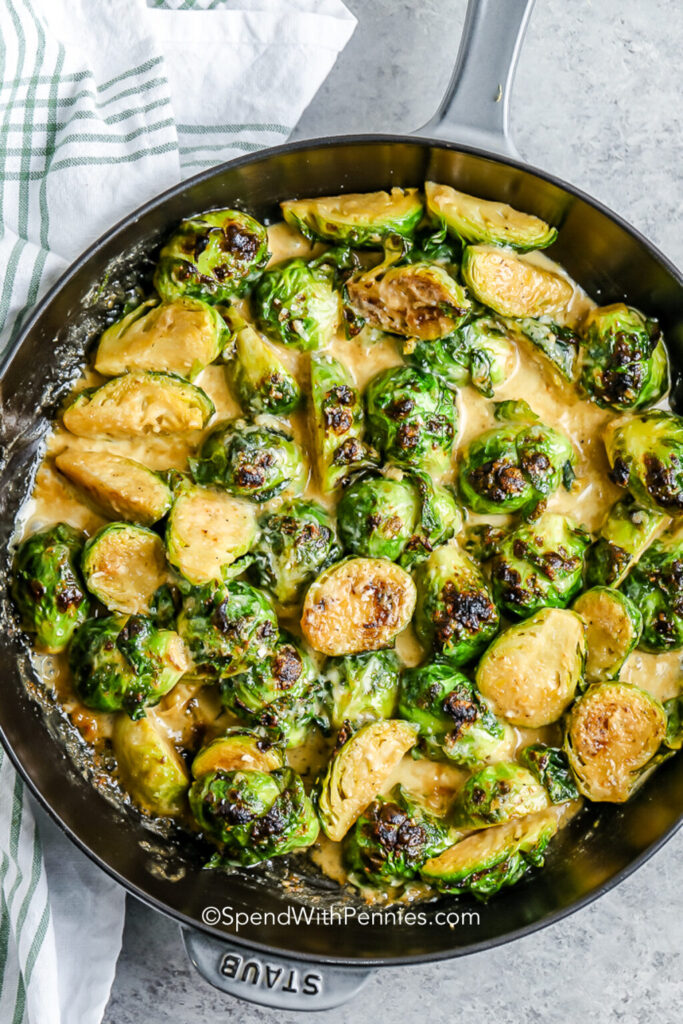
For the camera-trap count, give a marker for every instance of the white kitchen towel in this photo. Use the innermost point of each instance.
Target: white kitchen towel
(104, 103)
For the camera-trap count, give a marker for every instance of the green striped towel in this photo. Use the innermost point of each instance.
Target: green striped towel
(104, 103)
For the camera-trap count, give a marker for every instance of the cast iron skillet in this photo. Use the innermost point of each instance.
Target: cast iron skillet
(316, 965)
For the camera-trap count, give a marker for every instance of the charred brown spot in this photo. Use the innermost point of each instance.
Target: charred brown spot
(271, 824)
(240, 243)
(252, 470)
(400, 408)
(462, 613)
(68, 597)
(408, 436)
(462, 710)
(535, 464)
(498, 480)
(287, 667)
(662, 481)
(620, 472)
(349, 452)
(395, 833)
(37, 589)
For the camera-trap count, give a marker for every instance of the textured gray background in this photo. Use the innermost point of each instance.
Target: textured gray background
(596, 101)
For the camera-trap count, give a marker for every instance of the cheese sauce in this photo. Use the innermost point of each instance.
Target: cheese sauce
(192, 712)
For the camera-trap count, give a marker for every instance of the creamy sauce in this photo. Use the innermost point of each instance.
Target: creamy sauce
(192, 714)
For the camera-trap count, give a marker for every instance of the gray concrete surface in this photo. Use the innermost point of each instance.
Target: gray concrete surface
(596, 101)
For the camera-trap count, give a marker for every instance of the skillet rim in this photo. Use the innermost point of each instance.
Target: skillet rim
(75, 267)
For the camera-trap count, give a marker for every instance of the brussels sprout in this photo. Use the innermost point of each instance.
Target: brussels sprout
(513, 468)
(512, 286)
(646, 455)
(485, 862)
(296, 304)
(47, 585)
(122, 488)
(363, 220)
(207, 532)
(613, 628)
(480, 354)
(377, 517)
(674, 723)
(287, 671)
(412, 418)
(253, 815)
(559, 344)
(358, 771)
(250, 460)
(482, 541)
(227, 626)
(498, 793)
(627, 531)
(539, 565)
(655, 586)
(338, 423)
(144, 402)
(258, 377)
(455, 722)
(213, 256)
(295, 544)
(238, 750)
(550, 766)
(455, 616)
(362, 687)
(415, 300)
(290, 720)
(625, 365)
(182, 336)
(481, 220)
(150, 767)
(392, 839)
(439, 519)
(124, 663)
(357, 605)
(530, 673)
(613, 734)
(123, 565)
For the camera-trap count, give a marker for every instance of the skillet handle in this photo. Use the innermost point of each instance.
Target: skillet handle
(474, 110)
(271, 980)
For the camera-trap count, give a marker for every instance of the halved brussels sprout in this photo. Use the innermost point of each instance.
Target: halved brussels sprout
(47, 586)
(655, 586)
(559, 344)
(613, 734)
(182, 336)
(513, 468)
(485, 862)
(227, 626)
(455, 721)
(539, 565)
(392, 839)
(551, 767)
(496, 794)
(287, 671)
(513, 286)
(124, 663)
(625, 365)
(213, 256)
(238, 750)
(358, 771)
(338, 423)
(150, 767)
(646, 455)
(259, 378)
(207, 531)
(363, 220)
(482, 220)
(122, 488)
(290, 720)
(530, 673)
(627, 531)
(613, 628)
(357, 605)
(439, 519)
(253, 815)
(362, 687)
(412, 418)
(416, 300)
(250, 460)
(480, 353)
(144, 402)
(377, 516)
(296, 303)
(123, 566)
(295, 544)
(456, 616)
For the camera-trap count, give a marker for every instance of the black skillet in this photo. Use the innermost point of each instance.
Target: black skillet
(314, 965)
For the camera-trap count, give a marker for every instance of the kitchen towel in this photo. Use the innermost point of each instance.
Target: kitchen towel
(102, 106)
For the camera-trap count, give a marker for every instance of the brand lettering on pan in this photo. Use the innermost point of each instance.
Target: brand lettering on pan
(255, 972)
